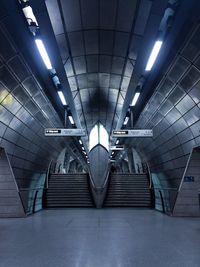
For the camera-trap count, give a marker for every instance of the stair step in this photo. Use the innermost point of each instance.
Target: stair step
(68, 190)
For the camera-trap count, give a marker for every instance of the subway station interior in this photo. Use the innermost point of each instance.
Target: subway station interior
(99, 133)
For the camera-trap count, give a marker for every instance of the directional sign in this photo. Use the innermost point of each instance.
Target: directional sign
(64, 132)
(117, 147)
(132, 133)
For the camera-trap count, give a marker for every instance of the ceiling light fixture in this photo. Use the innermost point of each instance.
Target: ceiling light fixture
(43, 53)
(71, 119)
(154, 53)
(80, 142)
(62, 98)
(117, 142)
(135, 99)
(126, 120)
(28, 13)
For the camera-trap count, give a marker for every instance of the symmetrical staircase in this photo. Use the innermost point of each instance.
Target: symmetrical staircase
(68, 190)
(128, 190)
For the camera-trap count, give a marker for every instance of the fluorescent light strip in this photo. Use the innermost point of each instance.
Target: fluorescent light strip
(126, 120)
(71, 119)
(117, 142)
(62, 98)
(80, 142)
(135, 99)
(83, 148)
(43, 53)
(153, 55)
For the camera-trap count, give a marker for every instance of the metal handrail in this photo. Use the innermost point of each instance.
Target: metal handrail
(166, 188)
(150, 176)
(30, 189)
(48, 174)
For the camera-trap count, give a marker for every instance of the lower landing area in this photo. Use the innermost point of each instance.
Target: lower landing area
(100, 238)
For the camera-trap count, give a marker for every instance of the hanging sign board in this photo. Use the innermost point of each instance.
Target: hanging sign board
(117, 147)
(132, 133)
(64, 132)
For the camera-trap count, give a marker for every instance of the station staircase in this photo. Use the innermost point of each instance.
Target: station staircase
(128, 190)
(68, 190)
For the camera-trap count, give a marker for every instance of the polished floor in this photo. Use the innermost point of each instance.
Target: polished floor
(100, 238)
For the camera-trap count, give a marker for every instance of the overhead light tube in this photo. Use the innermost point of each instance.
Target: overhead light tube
(117, 142)
(80, 142)
(126, 120)
(43, 53)
(154, 53)
(62, 98)
(135, 99)
(71, 119)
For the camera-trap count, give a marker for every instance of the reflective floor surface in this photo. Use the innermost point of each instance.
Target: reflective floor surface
(100, 238)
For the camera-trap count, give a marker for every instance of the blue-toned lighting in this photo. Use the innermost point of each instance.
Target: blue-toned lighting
(43, 53)
(154, 53)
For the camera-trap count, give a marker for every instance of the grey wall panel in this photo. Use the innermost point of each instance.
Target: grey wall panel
(25, 111)
(179, 130)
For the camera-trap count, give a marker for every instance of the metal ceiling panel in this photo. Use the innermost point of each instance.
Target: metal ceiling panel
(91, 42)
(79, 65)
(56, 18)
(117, 65)
(18, 67)
(143, 14)
(92, 63)
(190, 78)
(89, 12)
(7, 78)
(71, 13)
(105, 64)
(61, 40)
(178, 69)
(185, 104)
(195, 93)
(76, 43)
(68, 68)
(108, 12)
(121, 44)
(126, 12)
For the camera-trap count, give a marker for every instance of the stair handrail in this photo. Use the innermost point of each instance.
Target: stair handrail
(150, 176)
(48, 174)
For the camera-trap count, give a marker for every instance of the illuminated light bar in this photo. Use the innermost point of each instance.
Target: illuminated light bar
(117, 147)
(83, 148)
(126, 120)
(71, 119)
(135, 99)
(154, 53)
(43, 53)
(28, 13)
(62, 98)
(80, 142)
(117, 142)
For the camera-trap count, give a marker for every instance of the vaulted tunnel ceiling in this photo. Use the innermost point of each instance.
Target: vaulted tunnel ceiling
(99, 42)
